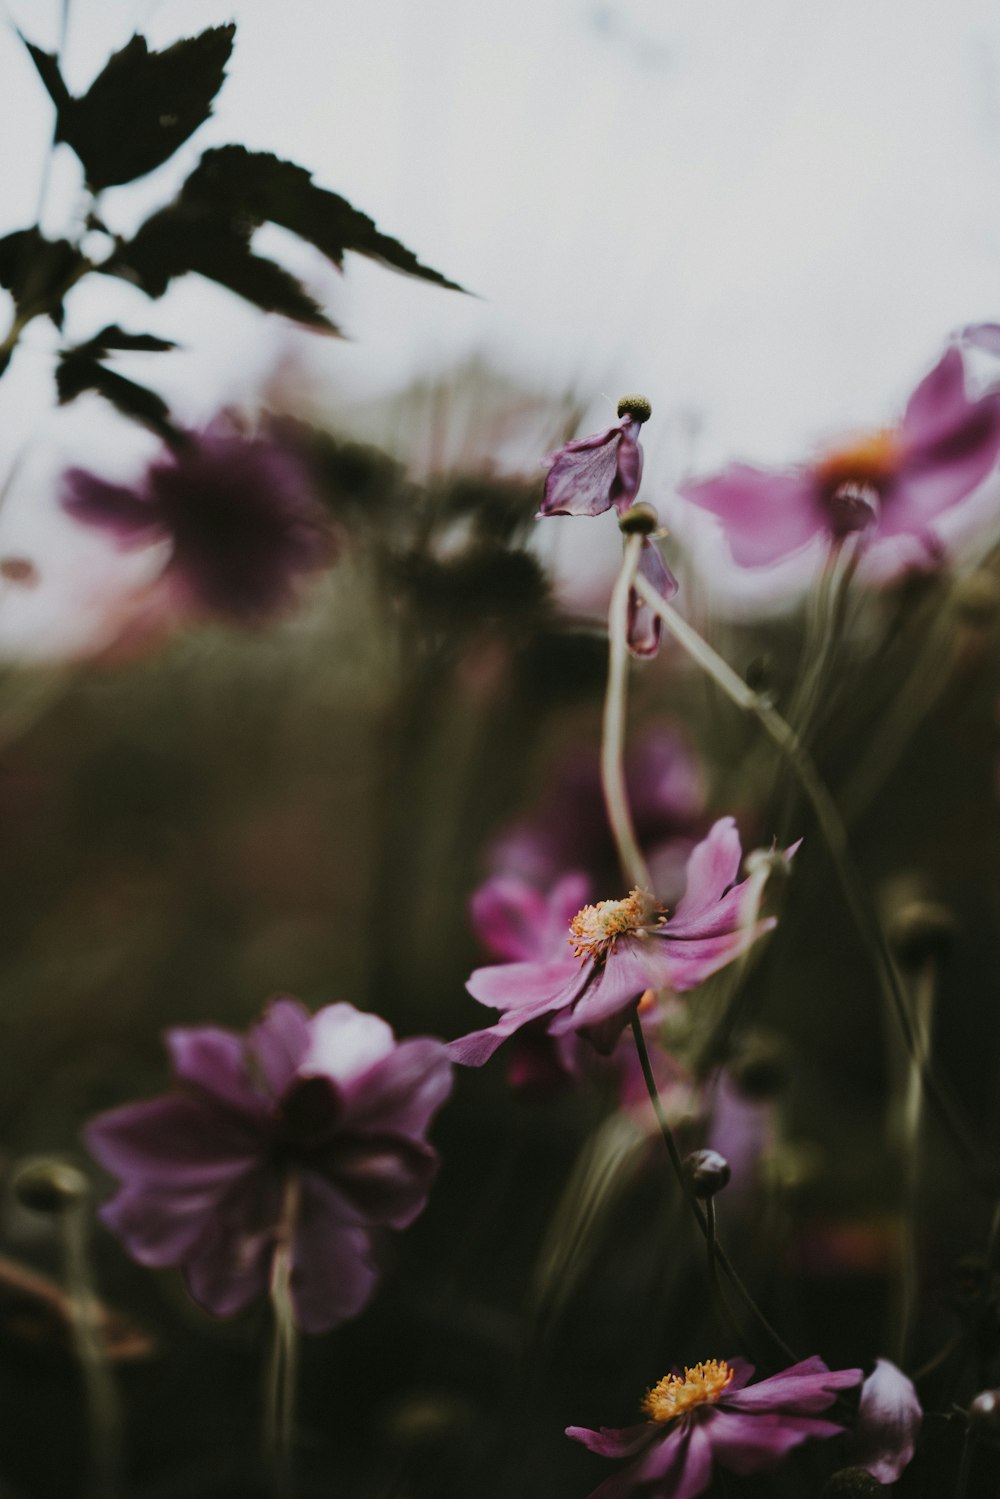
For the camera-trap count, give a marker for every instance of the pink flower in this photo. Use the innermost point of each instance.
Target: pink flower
(712, 1414)
(331, 1100)
(889, 1419)
(889, 485)
(617, 949)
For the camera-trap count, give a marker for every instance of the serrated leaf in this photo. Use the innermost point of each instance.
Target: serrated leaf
(141, 106)
(183, 238)
(36, 271)
(260, 187)
(78, 372)
(113, 339)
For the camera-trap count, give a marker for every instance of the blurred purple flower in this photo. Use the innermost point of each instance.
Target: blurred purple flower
(620, 948)
(893, 484)
(889, 1418)
(331, 1099)
(712, 1415)
(240, 514)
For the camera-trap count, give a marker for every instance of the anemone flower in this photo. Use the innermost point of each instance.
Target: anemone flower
(239, 513)
(890, 485)
(712, 1414)
(619, 949)
(330, 1102)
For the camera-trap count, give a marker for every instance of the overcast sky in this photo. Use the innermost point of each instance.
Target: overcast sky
(766, 214)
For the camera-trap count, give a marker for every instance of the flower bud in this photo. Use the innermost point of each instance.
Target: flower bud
(637, 407)
(851, 1483)
(50, 1186)
(984, 1415)
(708, 1172)
(639, 520)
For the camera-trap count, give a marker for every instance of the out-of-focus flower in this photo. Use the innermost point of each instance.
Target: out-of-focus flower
(889, 1418)
(590, 474)
(891, 485)
(240, 514)
(330, 1102)
(618, 949)
(712, 1414)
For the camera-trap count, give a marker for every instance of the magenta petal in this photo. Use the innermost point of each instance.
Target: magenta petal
(938, 402)
(476, 1048)
(215, 1061)
(231, 1263)
(509, 917)
(129, 517)
(692, 961)
(174, 1140)
(680, 1465)
(939, 473)
(582, 475)
(713, 867)
(612, 1441)
(332, 1271)
(889, 1418)
(747, 1443)
(766, 515)
(401, 1093)
(635, 965)
(644, 629)
(509, 986)
(278, 1043)
(805, 1387)
(385, 1179)
(628, 476)
(160, 1226)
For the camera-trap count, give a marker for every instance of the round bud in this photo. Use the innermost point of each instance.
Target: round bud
(639, 520)
(984, 1415)
(637, 407)
(922, 931)
(851, 1483)
(50, 1186)
(708, 1172)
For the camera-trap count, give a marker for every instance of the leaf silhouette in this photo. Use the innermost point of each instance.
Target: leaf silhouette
(259, 187)
(141, 106)
(78, 371)
(37, 271)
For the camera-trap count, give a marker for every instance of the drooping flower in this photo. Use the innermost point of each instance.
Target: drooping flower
(593, 474)
(240, 514)
(712, 1415)
(890, 485)
(330, 1101)
(889, 1419)
(617, 949)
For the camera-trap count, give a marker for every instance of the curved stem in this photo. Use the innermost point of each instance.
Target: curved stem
(613, 737)
(104, 1420)
(856, 896)
(279, 1423)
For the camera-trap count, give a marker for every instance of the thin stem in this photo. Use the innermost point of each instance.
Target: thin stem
(103, 1418)
(279, 1423)
(924, 995)
(613, 737)
(964, 1464)
(831, 825)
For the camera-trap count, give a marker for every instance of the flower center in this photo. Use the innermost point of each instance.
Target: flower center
(853, 480)
(594, 931)
(701, 1385)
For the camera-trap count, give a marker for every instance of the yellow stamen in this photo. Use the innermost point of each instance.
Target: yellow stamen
(701, 1385)
(594, 931)
(869, 460)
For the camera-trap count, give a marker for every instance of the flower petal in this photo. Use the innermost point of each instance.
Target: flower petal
(938, 402)
(582, 475)
(232, 1261)
(279, 1041)
(129, 516)
(613, 1441)
(746, 1443)
(681, 1463)
(173, 1140)
(476, 1048)
(692, 960)
(806, 1387)
(332, 1271)
(635, 965)
(160, 1226)
(510, 986)
(889, 1418)
(712, 869)
(644, 629)
(385, 1178)
(766, 514)
(215, 1061)
(401, 1093)
(344, 1043)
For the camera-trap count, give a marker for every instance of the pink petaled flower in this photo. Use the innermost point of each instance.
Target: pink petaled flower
(618, 949)
(330, 1101)
(240, 514)
(590, 475)
(891, 485)
(712, 1414)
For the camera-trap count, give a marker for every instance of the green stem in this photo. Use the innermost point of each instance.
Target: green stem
(279, 1423)
(923, 1010)
(613, 737)
(856, 896)
(103, 1417)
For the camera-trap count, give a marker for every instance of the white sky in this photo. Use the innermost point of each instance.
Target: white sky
(765, 214)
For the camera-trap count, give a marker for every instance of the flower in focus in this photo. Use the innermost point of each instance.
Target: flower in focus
(891, 485)
(331, 1101)
(618, 949)
(240, 515)
(889, 1417)
(712, 1414)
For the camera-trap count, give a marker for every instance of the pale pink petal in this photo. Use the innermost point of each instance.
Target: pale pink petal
(747, 1443)
(889, 1419)
(278, 1042)
(402, 1092)
(510, 917)
(344, 1043)
(765, 514)
(713, 867)
(644, 629)
(510, 986)
(215, 1061)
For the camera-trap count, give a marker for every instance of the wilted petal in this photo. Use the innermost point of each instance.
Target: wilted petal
(644, 629)
(765, 515)
(590, 474)
(332, 1271)
(746, 1443)
(889, 1418)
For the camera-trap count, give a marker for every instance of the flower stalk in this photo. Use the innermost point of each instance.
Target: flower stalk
(282, 1379)
(613, 736)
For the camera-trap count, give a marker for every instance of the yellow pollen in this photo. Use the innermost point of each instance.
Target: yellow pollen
(870, 460)
(701, 1385)
(594, 931)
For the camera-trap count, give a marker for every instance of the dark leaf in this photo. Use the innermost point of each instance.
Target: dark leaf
(37, 271)
(260, 187)
(141, 106)
(185, 237)
(78, 372)
(113, 339)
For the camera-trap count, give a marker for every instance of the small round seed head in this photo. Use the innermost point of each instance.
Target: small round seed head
(708, 1172)
(639, 520)
(851, 1483)
(636, 407)
(50, 1186)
